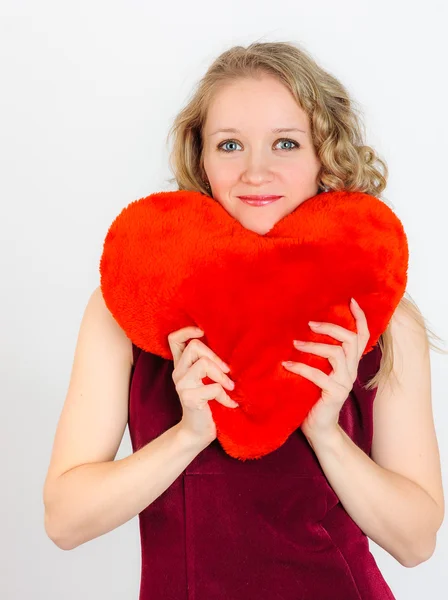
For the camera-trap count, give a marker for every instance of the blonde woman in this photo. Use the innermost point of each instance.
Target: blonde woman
(265, 120)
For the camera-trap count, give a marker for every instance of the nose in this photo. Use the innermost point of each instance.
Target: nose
(257, 169)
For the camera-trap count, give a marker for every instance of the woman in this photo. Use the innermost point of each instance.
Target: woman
(294, 524)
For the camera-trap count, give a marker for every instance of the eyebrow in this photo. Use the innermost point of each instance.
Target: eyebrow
(278, 130)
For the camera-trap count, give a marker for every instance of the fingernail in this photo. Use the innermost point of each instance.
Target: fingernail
(298, 343)
(314, 323)
(354, 302)
(287, 363)
(225, 367)
(231, 384)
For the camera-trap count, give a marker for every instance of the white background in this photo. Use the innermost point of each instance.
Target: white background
(88, 92)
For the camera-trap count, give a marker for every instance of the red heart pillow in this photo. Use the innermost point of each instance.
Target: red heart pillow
(179, 258)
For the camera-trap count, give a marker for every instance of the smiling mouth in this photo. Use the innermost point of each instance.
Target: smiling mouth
(259, 200)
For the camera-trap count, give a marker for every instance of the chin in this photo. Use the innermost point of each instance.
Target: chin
(260, 228)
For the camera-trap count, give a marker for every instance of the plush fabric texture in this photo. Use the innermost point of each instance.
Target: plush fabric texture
(178, 258)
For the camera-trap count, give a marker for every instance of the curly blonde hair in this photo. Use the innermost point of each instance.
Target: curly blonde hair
(337, 132)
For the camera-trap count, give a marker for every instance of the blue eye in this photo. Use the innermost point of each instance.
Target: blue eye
(290, 141)
(220, 147)
(296, 145)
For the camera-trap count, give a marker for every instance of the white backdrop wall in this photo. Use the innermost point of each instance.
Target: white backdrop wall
(88, 92)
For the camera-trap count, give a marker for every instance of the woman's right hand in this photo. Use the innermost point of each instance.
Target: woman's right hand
(192, 362)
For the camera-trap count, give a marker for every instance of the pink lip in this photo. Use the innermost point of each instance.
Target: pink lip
(264, 197)
(259, 200)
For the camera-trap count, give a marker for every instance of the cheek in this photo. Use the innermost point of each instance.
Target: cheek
(220, 171)
(304, 170)
(226, 178)
(297, 174)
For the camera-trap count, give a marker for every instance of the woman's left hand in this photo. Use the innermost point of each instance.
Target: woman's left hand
(323, 417)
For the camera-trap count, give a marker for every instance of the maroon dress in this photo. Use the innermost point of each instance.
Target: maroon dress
(265, 529)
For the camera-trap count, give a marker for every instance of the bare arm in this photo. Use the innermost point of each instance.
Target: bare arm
(87, 493)
(396, 497)
(92, 499)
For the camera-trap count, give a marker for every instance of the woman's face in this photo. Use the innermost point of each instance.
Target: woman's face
(255, 160)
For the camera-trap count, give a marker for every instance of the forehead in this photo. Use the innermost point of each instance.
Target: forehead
(252, 105)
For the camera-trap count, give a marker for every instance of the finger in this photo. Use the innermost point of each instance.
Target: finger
(315, 375)
(335, 354)
(177, 340)
(348, 338)
(329, 386)
(203, 367)
(361, 325)
(193, 351)
(199, 397)
(339, 333)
